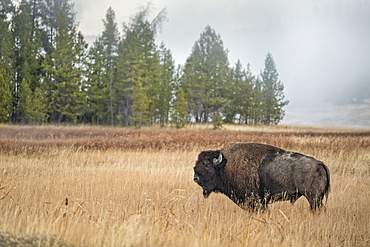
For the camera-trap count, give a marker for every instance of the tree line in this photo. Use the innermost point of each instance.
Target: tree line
(49, 74)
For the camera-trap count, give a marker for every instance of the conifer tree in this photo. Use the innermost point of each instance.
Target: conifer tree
(188, 78)
(26, 52)
(272, 89)
(130, 66)
(257, 102)
(50, 14)
(47, 73)
(5, 94)
(209, 66)
(235, 92)
(151, 69)
(96, 90)
(6, 41)
(6, 44)
(48, 86)
(39, 103)
(239, 92)
(139, 60)
(247, 95)
(25, 109)
(140, 105)
(165, 87)
(66, 89)
(178, 112)
(150, 64)
(110, 39)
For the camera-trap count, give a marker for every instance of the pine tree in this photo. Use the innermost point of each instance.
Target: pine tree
(139, 62)
(247, 95)
(26, 52)
(130, 70)
(236, 94)
(178, 112)
(80, 56)
(188, 77)
(140, 105)
(48, 86)
(110, 39)
(96, 90)
(39, 103)
(6, 44)
(208, 66)
(5, 94)
(66, 89)
(239, 91)
(50, 14)
(256, 111)
(272, 89)
(151, 79)
(150, 66)
(32, 105)
(165, 88)
(25, 108)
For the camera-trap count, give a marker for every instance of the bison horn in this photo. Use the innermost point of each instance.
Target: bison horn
(219, 160)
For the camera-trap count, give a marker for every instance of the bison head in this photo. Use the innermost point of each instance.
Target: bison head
(207, 171)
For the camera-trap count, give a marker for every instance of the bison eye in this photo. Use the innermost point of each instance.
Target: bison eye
(207, 164)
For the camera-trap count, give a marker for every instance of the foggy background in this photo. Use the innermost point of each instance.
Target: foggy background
(321, 47)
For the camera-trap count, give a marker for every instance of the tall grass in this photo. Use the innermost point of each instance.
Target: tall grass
(116, 196)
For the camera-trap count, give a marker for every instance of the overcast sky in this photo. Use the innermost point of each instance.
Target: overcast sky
(321, 47)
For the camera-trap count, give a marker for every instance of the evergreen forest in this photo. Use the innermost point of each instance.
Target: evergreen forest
(49, 74)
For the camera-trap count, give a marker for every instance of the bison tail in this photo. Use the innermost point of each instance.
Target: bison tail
(327, 188)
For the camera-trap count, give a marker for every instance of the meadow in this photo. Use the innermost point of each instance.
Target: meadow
(100, 186)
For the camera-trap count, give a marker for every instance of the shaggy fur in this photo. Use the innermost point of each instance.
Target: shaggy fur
(253, 174)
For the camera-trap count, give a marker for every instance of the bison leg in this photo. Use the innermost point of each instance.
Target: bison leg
(295, 198)
(315, 203)
(255, 204)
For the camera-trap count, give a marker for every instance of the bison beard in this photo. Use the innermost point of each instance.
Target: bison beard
(253, 174)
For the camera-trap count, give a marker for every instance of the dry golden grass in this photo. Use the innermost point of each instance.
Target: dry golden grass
(140, 192)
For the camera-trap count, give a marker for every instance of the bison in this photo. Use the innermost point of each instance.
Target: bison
(254, 174)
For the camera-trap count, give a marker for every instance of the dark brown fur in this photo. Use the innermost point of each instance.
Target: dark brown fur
(253, 174)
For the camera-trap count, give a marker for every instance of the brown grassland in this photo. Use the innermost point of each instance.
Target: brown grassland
(91, 186)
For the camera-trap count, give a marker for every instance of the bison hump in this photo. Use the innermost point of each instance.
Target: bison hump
(243, 163)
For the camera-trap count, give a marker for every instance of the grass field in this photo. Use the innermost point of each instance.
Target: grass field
(90, 186)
